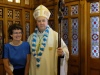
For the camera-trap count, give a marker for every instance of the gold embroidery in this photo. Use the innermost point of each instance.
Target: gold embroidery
(39, 43)
(50, 48)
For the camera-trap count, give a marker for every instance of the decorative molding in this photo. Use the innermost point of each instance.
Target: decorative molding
(93, 0)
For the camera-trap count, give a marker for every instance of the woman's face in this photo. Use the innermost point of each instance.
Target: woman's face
(17, 35)
(42, 22)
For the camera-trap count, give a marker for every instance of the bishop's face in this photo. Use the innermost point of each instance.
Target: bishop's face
(42, 22)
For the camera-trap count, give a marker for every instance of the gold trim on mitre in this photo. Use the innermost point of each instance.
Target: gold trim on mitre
(41, 10)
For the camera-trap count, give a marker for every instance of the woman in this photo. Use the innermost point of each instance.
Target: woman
(16, 52)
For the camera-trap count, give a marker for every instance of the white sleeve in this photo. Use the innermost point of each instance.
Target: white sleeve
(64, 61)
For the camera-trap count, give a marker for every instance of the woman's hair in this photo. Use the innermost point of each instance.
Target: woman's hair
(14, 27)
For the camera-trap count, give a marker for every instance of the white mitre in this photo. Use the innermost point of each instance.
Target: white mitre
(41, 10)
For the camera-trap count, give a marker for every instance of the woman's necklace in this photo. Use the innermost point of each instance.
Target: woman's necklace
(16, 43)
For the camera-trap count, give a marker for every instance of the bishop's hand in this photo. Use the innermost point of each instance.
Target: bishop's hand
(60, 51)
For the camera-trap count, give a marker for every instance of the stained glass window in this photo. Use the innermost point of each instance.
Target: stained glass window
(95, 36)
(52, 13)
(94, 7)
(74, 9)
(27, 15)
(65, 31)
(10, 14)
(74, 36)
(65, 11)
(10, 23)
(17, 14)
(95, 26)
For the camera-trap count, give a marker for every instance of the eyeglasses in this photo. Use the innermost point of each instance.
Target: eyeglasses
(17, 33)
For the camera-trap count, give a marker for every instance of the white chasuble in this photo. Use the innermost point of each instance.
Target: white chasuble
(48, 60)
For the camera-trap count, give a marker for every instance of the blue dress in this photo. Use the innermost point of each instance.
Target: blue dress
(17, 55)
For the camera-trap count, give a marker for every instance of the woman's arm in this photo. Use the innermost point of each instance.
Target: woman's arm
(27, 65)
(7, 66)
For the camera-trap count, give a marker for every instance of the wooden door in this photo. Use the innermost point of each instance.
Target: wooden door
(93, 38)
(71, 35)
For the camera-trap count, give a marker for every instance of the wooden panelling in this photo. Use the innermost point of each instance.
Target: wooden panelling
(2, 71)
(11, 12)
(95, 72)
(93, 0)
(74, 70)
